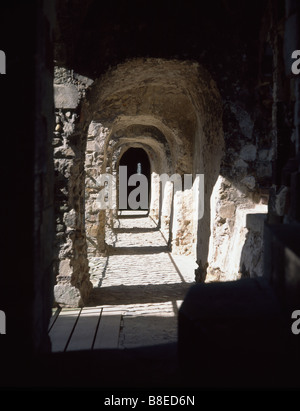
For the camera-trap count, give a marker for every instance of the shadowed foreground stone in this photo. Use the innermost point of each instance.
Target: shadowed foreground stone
(143, 367)
(233, 334)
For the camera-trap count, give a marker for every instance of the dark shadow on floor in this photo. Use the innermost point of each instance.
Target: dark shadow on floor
(137, 250)
(135, 230)
(138, 294)
(132, 216)
(136, 369)
(146, 367)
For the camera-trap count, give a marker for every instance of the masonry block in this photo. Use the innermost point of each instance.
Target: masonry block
(66, 96)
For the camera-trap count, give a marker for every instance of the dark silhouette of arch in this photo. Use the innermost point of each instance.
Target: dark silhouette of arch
(137, 162)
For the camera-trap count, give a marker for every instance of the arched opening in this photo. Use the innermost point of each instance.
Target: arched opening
(135, 180)
(163, 131)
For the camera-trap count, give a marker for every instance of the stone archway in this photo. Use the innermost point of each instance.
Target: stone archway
(173, 107)
(135, 162)
(172, 110)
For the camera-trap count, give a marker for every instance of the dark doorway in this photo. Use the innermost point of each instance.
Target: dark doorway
(137, 162)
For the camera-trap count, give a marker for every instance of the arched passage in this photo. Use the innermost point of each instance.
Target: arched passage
(135, 162)
(173, 107)
(171, 110)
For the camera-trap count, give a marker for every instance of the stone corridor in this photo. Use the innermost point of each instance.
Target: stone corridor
(140, 281)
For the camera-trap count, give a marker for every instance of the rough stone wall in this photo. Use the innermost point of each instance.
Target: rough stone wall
(247, 165)
(241, 189)
(237, 234)
(71, 269)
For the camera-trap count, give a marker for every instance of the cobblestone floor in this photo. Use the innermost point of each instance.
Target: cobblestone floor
(141, 279)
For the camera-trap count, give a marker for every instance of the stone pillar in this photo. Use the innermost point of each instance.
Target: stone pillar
(183, 215)
(72, 272)
(95, 167)
(154, 207)
(166, 210)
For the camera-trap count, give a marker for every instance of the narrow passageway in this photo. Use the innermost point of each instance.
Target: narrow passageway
(142, 279)
(138, 289)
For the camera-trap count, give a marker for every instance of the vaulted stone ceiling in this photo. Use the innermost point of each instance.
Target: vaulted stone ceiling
(93, 35)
